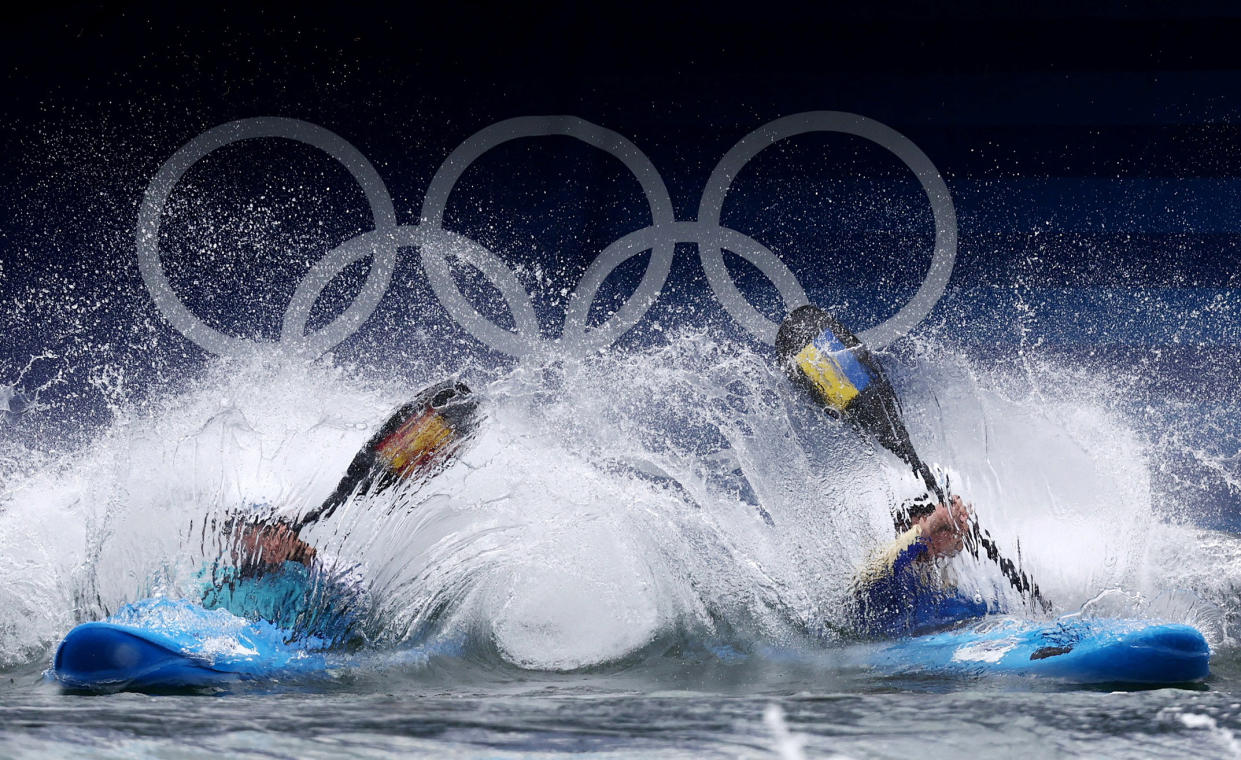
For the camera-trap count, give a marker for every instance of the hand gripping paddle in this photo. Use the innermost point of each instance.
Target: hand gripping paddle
(837, 370)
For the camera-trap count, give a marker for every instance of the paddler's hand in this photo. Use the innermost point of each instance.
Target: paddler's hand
(269, 545)
(944, 530)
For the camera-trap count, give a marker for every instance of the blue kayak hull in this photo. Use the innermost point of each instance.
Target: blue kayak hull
(164, 644)
(1070, 649)
(175, 644)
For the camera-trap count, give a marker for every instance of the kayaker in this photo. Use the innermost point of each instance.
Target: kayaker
(265, 544)
(908, 587)
(269, 572)
(905, 589)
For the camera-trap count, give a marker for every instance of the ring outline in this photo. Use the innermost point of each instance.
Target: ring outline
(942, 260)
(170, 173)
(574, 331)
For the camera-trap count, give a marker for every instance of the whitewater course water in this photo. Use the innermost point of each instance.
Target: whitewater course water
(611, 518)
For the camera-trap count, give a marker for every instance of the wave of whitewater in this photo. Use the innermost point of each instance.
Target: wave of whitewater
(605, 507)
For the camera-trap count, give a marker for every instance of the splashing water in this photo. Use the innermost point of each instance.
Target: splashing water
(605, 508)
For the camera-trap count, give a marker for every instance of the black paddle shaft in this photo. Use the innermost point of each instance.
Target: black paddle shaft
(879, 414)
(876, 411)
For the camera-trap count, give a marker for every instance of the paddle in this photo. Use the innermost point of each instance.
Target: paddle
(416, 438)
(836, 369)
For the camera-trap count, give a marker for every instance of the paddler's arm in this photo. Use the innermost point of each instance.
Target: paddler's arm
(885, 588)
(891, 592)
(883, 568)
(938, 534)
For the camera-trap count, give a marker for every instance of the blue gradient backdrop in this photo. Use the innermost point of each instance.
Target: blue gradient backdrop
(1094, 159)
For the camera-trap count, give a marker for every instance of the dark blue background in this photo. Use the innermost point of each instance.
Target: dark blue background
(1093, 157)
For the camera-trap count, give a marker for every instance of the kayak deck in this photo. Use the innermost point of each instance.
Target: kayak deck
(1082, 651)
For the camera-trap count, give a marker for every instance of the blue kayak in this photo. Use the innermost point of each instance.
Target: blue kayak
(158, 644)
(1070, 649)
(165, 644)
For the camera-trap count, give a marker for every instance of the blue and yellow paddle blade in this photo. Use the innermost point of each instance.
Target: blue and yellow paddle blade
(821, 354)
(833, 370)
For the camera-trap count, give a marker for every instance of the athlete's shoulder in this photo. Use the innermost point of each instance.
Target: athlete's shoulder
(885, 564)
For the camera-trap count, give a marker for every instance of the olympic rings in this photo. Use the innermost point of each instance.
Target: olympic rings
(437, 244)
(213, 341)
